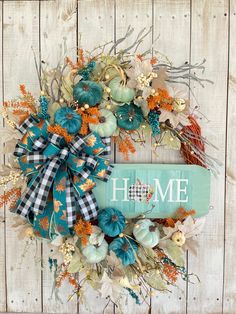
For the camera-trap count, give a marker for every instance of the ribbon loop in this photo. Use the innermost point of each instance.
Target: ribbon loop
(68, 171)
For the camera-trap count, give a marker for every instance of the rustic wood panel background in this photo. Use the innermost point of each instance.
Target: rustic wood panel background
(188, 30)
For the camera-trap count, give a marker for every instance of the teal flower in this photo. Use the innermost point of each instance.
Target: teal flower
(124, 250)
(68, 119)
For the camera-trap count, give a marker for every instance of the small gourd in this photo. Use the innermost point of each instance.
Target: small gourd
(87, 92)
(125, 250)
(120, 92)
(129, 117)
(94, 253)
(107, 124)
(146, 233)
(179, 104)
(178, 238)
(111, 221)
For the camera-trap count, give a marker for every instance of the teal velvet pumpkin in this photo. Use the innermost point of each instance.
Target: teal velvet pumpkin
(67, 118)
(87, 92)
(129, 117)
(125, 250)
(111, 221)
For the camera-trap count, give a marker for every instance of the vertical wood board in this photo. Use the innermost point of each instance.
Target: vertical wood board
(23, 263)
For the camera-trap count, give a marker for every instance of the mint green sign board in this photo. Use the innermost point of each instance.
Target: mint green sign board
(157, 190)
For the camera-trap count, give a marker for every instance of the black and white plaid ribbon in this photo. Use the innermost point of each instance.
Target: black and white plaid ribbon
(28, 123)
(36, 196)
(107, 142)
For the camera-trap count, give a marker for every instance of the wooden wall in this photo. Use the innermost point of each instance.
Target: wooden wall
(188, 30)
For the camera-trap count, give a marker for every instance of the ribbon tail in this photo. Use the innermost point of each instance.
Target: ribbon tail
(88, 206)
(35, 197)
(70, 203)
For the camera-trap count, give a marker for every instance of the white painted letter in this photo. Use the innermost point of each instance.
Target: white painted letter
(182, 190)
(169, 189)
(124, 189)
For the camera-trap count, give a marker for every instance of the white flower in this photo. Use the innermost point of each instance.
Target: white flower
(140, 74)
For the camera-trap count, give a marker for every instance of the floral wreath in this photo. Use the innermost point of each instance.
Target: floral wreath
(60, 145)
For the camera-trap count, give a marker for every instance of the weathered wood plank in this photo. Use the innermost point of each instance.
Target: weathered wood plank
(209, 39)
(58, 30)
(20, 32)
(139, 16)
(229, 297)
(95, 27)
(2, 213)
(171, 18)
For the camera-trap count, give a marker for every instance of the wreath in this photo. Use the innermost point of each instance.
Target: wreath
(60, 145)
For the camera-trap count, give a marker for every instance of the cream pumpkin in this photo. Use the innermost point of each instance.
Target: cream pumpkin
(146, 233)
(107, 124)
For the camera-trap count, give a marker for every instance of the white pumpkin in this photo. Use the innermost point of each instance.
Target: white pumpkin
(107, 124)
(146, 233)
(94, 253)
(120, 92)
(97, 236)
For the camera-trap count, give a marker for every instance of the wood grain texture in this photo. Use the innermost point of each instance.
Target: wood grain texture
(171, 18)
(209, 28)
(229, 297)
(57, 18)
(2, 212)
(187, 29)
(20, 32)
(138, 16)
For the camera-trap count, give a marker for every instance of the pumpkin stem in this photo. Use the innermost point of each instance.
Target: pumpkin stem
(125, 247)
(152, 228)
(114, 218)
(131, 114)
(86, 87)
(102, 119)
(69, 116)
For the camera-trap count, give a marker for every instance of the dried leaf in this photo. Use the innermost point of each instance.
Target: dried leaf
(110, 288)
(153, 278)
(174, 118)
(173, 251)
(169, 141)
(75, 265)
(160, 81)
(192, 227)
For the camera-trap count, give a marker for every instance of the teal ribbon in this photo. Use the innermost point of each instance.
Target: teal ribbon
(78, 165)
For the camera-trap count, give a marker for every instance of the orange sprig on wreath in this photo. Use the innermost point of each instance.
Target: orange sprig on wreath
(162, 99)
(170, 272)
(83, 229)
(90, 115)
(125, 146)
(10, 197)
(57, 129)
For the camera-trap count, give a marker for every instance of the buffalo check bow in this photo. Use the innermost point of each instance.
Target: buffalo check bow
(47, 160)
